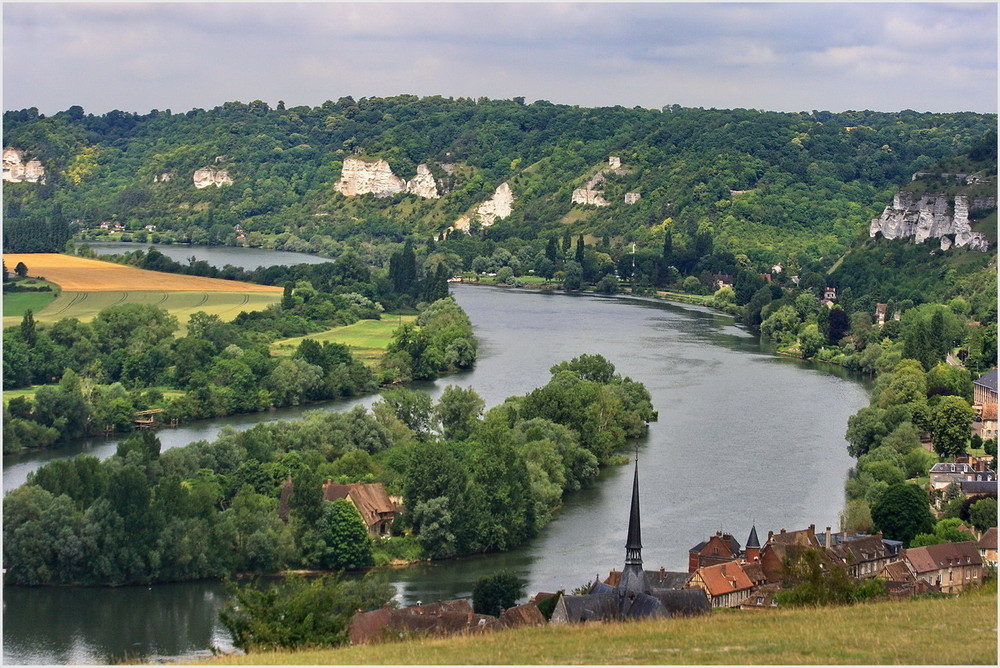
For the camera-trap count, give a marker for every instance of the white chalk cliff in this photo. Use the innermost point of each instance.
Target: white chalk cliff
(358, 177)
(928, 218)
(207, 176)
(15, 168)
(497, 207)
(591, 193)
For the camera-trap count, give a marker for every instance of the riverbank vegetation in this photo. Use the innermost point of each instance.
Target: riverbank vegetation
(868, 634)
(470, 483)
(96, 376)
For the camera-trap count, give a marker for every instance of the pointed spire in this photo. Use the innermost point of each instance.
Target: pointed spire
(633, 546)
(752, 540)
(633, 579)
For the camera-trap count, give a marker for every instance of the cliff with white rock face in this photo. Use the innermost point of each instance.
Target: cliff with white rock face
(359, 177)
(931, 217)
(208, 176)
(493, 209)
(17, 170)
(591, 193)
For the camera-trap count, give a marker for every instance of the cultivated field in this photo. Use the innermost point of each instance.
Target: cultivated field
(91, 285)
(367, 339)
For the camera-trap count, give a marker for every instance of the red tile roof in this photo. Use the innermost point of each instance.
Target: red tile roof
(724, 578)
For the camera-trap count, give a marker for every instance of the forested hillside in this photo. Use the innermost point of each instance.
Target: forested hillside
(777, 187)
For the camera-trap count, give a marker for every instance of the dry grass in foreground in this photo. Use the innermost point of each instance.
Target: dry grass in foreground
(959, 630)
(78, 274)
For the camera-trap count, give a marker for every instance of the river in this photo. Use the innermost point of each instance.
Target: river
(743, 437)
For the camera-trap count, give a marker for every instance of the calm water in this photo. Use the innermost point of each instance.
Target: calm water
(217, 256)
(743, 437)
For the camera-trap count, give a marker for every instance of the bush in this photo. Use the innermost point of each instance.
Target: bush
(493, 592)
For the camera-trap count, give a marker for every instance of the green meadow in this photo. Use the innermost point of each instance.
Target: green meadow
(85, 305)
(954, 631)
(367, 339)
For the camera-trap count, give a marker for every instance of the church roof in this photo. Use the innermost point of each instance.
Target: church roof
(752, 540)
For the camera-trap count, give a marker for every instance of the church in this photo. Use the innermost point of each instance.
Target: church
(633, 597)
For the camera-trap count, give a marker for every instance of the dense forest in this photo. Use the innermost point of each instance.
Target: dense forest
(778, 187)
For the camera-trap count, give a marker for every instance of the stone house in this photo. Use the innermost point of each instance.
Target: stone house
(950, 566)
(725, 585)
(984, 389)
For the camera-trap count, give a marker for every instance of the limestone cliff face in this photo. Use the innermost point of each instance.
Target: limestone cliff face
(591, 193)
(208, 176)
(497, 207)
(17, 170)
(358, 177)
(423, 184)
(930, 217)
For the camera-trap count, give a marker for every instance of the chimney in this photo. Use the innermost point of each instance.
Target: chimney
(812, 529)
(770, 535)
(782, 531)
(828, 537)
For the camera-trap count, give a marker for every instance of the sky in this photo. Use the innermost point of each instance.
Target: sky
(137, 56)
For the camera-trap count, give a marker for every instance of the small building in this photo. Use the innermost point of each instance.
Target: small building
(864, 556)
(725, 585)
(830, 294)
(762, 598)
(988, 547)
(435, 619)
(377, 509)
(880, 311)
(985, 424)
(950, 566)
(719, 548)
(944, 474)
(785, 544)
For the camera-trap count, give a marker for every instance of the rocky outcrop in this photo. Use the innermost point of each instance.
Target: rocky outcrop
(591, 194)
(423, 184)
(208, 176)
(359, 177)
(17, 170)
(497, 207)
(164, 177)
(930, 217)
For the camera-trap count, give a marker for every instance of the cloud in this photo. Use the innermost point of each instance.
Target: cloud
(765, 55)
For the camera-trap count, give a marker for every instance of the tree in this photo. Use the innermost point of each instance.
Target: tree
(950, 423)
(21, 270)
(297, 612)
(493, 592)
(347, 543)
(983, 514)
(458, 410)
(903, 512)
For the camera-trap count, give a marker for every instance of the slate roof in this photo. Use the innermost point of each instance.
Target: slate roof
(752, 540)
(590, 607)
(683, 602)
(656, 579)
(988, 380)
(859, 549)
(970, 487)
(935, 557)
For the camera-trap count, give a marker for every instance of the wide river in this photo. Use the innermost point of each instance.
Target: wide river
(743, 438)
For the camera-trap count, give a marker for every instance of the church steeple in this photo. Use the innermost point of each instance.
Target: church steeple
(633, 577)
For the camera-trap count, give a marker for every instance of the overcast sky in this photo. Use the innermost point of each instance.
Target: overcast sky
(788, 57)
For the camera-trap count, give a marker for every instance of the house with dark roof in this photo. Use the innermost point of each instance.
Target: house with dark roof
(984, 389)
(863, 555)
(719, 548)
(944, 474)
(950, 566)
(435, 619)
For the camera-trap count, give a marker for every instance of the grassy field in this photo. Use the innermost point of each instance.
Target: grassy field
(952, 631)
(91, 285)
(16, 303)
(367, 339)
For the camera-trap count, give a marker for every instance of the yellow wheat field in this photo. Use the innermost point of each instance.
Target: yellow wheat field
(77, 274)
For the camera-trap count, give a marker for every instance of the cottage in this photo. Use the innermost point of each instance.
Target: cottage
(950, 566)
(377, 509)
(725, 585)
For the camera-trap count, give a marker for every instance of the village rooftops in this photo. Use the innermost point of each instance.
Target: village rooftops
(946, 555)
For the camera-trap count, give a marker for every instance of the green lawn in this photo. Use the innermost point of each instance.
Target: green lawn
(16, 303)
(367, 339)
